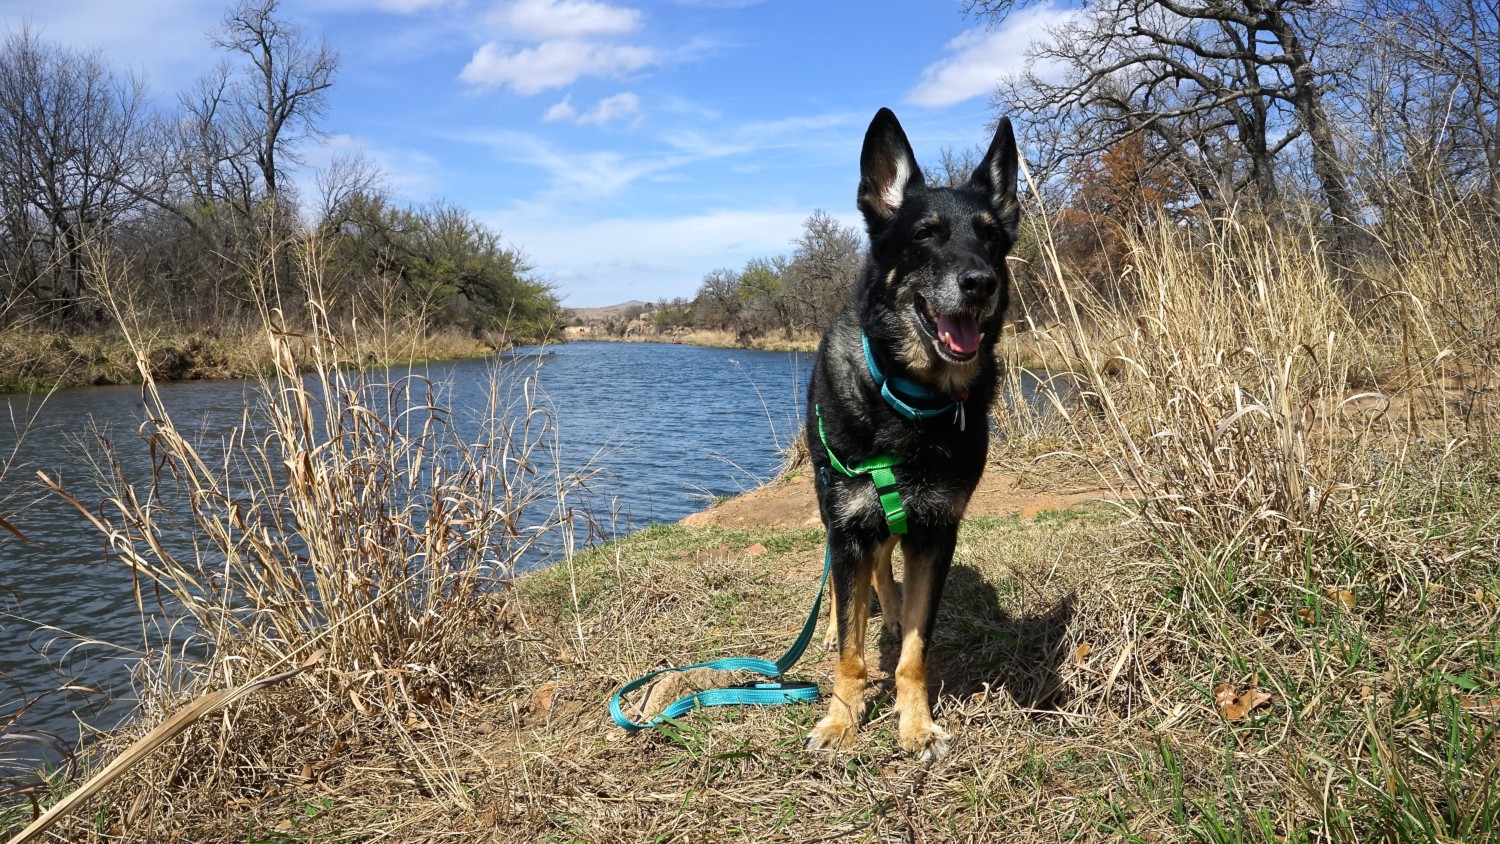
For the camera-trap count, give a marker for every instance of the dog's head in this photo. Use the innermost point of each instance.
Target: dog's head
(938, 253)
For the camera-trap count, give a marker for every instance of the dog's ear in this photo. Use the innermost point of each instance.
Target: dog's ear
(887, 168)
(995, 177)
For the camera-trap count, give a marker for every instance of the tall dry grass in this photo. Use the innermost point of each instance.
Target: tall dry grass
(358, 516)
(1253, 398)
(1306, 443)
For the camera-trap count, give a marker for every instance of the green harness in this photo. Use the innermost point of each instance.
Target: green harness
(906, 398)
(879, 469)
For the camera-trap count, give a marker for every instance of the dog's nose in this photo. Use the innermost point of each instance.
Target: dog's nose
(977, 283)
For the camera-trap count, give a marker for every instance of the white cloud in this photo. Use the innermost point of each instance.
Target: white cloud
(619, 107)
(600, 173)
(980, 57)
(543, 20)
(552, 64)
(562, 110)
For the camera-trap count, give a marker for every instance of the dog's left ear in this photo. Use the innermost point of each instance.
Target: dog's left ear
(996, 178)
(887, 168)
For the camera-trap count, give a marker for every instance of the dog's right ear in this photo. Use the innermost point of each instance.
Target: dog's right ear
(887, 167)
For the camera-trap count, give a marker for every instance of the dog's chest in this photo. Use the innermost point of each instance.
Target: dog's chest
(934, 486)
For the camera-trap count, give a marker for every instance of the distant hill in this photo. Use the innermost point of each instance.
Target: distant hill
(592, 316)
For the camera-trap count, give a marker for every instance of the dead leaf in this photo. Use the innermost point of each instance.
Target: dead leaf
(542, 698)
(1343, 596)
(1479, 706)
(1080, 656)
(1262, 621)
(1237, 705)
(1307, 616)
(755, 549)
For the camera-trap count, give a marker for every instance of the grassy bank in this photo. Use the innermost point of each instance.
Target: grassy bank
(800, 342)
(1100, 691)
(36, 361)
(1286, 628)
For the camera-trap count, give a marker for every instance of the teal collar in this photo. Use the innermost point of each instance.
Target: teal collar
(904, 395)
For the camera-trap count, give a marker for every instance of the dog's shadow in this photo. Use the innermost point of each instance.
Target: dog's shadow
(978, 643)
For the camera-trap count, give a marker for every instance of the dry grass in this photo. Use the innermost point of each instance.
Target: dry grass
(36, 361)
(345, 517)
(1286, 630)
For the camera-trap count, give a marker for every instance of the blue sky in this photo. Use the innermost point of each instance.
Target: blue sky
(628, 148)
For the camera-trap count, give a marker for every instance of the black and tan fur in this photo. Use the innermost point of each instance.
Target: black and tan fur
(930, 298)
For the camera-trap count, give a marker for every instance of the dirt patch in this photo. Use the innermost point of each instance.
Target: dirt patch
(791, 502)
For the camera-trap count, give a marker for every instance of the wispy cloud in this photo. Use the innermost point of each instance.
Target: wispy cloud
(167, 41)
(624, 106)
(411, 7)
(603, 173)
(978, 59)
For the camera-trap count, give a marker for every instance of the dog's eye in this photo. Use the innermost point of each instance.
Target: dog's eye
(925, 233)
(987, 233)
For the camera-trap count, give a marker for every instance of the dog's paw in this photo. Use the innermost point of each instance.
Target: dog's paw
(831, 639)
(832, 734)
(929, 741)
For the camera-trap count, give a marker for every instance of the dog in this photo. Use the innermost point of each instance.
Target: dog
(906, 375)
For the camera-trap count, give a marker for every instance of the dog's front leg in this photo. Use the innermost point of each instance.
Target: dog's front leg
(853, 566)
(927, 560)
(885, 590)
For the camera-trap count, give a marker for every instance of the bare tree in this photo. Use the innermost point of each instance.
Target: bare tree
(347, 178)
(1444, 92)
(953, 167)
(273, 102)
(719, 303)
(1224, 86)
(824, 268)
(71, 155)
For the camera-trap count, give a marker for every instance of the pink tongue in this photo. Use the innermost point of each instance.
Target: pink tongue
(961, 332)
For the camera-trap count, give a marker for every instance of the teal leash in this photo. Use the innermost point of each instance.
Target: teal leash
(756, 693)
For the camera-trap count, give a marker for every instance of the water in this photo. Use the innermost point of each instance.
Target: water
(668, 428)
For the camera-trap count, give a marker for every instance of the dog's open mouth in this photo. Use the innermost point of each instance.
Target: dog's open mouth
(955, 336)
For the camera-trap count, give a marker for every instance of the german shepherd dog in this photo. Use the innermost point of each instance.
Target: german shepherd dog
(925, 314)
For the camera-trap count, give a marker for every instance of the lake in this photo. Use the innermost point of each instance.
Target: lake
(668, 428)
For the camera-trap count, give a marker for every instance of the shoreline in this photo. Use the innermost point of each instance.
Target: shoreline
(706, 339)
(42, 362)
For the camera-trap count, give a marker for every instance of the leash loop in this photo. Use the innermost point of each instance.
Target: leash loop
(754, 693)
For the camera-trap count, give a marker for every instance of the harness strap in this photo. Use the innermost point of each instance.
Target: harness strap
(765, 693)
(879, 468)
